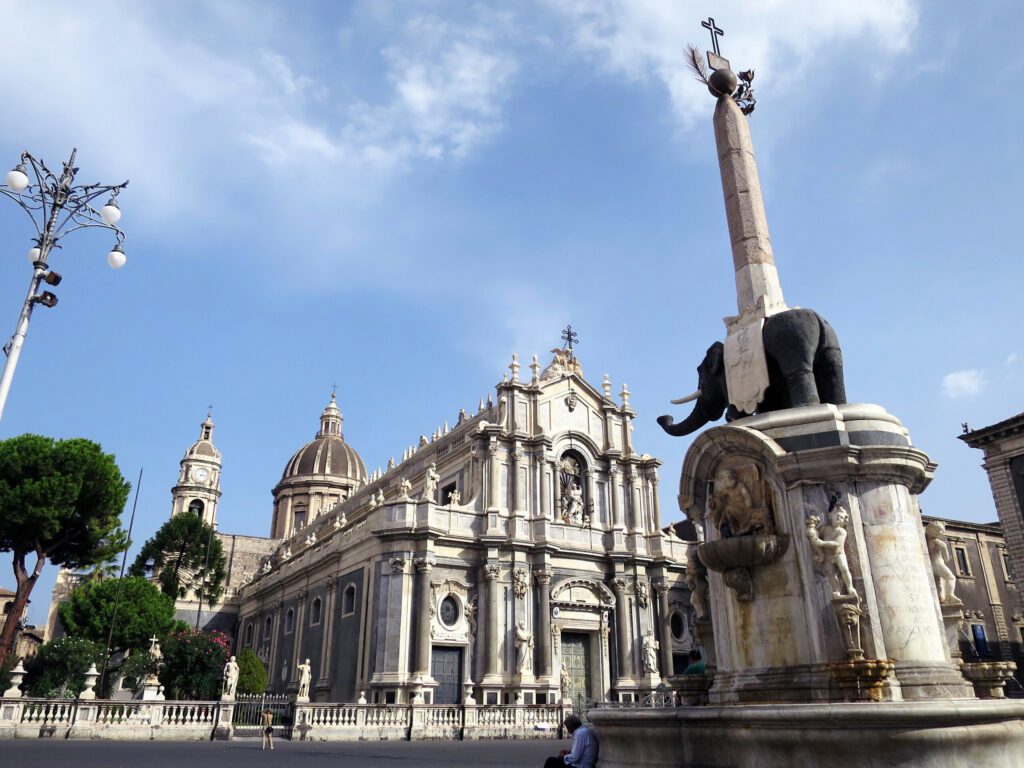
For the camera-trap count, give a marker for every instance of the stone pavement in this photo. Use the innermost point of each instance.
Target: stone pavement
(246, 752)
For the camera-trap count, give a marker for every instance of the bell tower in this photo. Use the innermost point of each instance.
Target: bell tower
(198, 487)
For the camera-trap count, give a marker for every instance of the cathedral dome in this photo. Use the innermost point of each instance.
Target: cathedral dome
(328, 453)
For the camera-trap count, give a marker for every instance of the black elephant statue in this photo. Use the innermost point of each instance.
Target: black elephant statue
(805, 367)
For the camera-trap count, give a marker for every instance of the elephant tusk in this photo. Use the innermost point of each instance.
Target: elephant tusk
(687, 399)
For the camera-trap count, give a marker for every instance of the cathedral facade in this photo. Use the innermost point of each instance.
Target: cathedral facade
(517, 556)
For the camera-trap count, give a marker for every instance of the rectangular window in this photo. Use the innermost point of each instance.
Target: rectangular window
(1005, 558)
(963, 567)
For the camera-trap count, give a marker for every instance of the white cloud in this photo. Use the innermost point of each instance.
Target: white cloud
(642, 39)
(963, 383)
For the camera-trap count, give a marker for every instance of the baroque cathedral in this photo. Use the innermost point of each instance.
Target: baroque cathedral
(515, 557)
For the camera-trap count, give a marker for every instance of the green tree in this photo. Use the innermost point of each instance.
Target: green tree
(252, 675)
(61, 501)
(143, 611)
(178, 554)
(58, 668)
(194, 664)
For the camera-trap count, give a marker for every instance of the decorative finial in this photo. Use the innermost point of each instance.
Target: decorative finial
(965, 427)
(722, 81)
(625, 395)
(606, 385)
(514, 367)
(334, 392)
(535, 370)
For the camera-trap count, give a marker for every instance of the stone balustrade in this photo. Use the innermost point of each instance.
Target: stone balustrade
(203, 720)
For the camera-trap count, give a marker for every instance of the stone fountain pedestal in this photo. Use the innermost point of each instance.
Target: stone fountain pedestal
(829, 641)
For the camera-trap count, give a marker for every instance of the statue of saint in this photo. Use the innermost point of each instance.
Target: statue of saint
(574, 503)
(404, 487)
(454, 498)
(829, 545)
(305, 671)
(524, 648)
(430, 485)
(566, 683)
(230, 679)
(938, 553)
(650, 653)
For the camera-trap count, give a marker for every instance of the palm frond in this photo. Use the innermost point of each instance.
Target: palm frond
(695, 61)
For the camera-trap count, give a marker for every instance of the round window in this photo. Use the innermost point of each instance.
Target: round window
(678, 627)
(449, 611)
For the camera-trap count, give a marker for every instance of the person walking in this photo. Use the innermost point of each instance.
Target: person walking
(267, 725)
(584, 747)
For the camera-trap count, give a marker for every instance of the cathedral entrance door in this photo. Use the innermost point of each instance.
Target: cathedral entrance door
(576, 657)
(446, 668)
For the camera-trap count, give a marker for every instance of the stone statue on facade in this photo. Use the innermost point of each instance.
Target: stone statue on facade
(565, 681)
(573, 503)
(524, 648)
(454, 498)
(650, 654)
(938, 553)
(430, 484)
(230, 679)
(305, 671)
(829, 545)
(404, 488)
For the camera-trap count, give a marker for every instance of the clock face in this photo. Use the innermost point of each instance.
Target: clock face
(200, 474)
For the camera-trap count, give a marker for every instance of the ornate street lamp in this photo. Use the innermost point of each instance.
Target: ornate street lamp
(56, 208)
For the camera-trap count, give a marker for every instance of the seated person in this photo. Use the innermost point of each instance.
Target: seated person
(696, 665)
(584, 747)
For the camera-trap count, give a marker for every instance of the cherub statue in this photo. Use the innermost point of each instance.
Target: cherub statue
(829, 545)
(938, 553)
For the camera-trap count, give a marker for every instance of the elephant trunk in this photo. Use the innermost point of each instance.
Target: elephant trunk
(697, 419)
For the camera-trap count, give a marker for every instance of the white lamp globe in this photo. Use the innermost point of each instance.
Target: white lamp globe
(110, 212)
(33, 254)
(116, 257)
(17, 179)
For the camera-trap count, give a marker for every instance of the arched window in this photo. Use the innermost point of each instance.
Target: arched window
(196, 507)
(289, 620)
(248, 633)
(268, 627)
(348, 600)
(315, 610)
(575, 499)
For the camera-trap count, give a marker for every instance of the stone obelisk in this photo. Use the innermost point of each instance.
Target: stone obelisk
(758, 292)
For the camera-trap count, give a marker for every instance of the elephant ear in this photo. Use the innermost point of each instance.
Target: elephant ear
(716, 358)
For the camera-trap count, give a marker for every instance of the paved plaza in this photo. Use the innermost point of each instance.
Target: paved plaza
(246, 752)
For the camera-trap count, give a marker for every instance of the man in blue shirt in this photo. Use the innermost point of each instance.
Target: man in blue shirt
(584, 747)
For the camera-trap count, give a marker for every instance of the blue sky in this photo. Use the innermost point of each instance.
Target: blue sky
(397, 196)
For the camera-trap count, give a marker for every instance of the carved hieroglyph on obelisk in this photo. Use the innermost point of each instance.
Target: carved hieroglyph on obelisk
(758, 292)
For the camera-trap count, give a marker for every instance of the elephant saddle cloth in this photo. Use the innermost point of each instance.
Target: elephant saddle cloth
(746, 368)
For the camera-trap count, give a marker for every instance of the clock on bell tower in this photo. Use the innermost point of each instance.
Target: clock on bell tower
(198, 488)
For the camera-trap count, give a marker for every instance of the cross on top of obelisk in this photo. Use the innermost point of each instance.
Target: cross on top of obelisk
(715, 58)
(570, 337)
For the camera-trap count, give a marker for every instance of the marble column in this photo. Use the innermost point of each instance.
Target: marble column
(542, 485)
(495, 476)
(653, 477)
(634, 502)
(422, 608)
(327, 620)
(543, 579)
(556, 483)
(591, 510)
(300, 612)
(613, 489)
(274, 631)
(491, 572)
(622, 628)
(665, 625)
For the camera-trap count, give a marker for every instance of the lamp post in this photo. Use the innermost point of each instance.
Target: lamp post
(57, 209)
